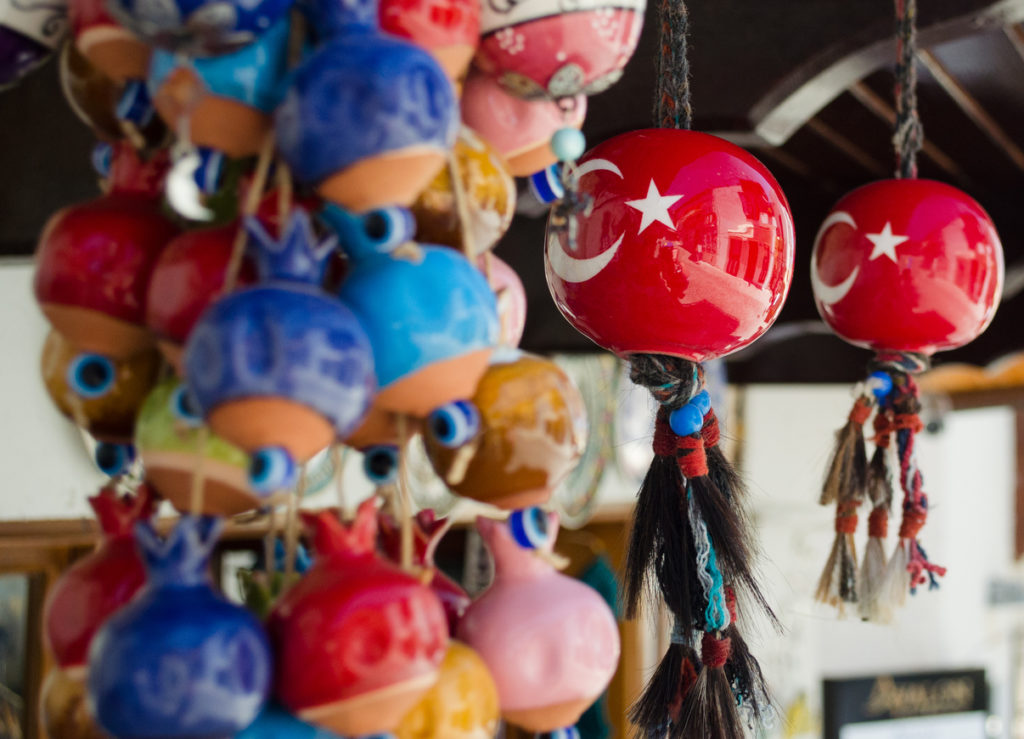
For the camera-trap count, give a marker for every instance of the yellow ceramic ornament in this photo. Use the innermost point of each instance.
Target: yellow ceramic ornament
(463, 704)
(490, 193)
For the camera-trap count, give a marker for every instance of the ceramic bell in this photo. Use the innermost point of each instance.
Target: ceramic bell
(276, 723)
(519, 129)
(199, 28)
(463, 704)
(430, 315)
(532, 433)
(394, 103)
(550, 642)
(94, 259)
(280, 368)
(104, 393)
(542, 49)
(189, 275)
(427, 533)
(510, 294)
(179, 660)
(358, 640)
(490, 194)
(222, 104)
(29, 32)
(168, 439)
(448, 29)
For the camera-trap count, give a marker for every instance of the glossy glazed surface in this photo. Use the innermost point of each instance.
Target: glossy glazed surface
(355, 626)
(514, 126)
(533, 430)
(433, 24)
(463, 704)
(110, 417)
(490, 194)
(548, 640)
(511, 297)
(690, 239)
(907, 265)
(285, 341)
(179, 660)
(545, 49)
(398, 99)
(99, 584)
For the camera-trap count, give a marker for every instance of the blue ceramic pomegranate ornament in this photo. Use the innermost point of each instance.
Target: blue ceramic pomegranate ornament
(369, 117)
(281, 369)
(430, 316)
(179, 660)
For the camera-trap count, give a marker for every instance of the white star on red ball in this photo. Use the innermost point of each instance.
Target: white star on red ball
(654, 207)
(885, 243)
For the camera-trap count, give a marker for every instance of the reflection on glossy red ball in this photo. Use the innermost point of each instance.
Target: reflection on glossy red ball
(907, 265)
(687, 251)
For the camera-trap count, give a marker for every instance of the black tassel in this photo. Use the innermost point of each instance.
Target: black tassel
(847, 470)
(709, 710)
(667, 689)
(748, 683)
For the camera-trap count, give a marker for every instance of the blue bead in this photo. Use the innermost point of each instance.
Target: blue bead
(880, 384)
(547, 184)
(529, 527)
(702, 401)
(102, 156)
(568, 144)
(686, 420)
(135, 104)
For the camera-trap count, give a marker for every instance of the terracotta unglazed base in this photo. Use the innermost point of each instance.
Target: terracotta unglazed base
(393, 178)
(525, 162)
(63, 707)
(513, 502)
(435, 385)
(225, 488)
(379, 427)
(370, 713)
(97, 333)
(454, 60)
(115, 52)
(173, 353)
(254, 423)
(219, 123)
(549, 718)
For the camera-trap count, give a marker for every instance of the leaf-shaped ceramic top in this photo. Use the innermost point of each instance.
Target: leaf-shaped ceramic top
(182, 558)
(119, 514)
(297, 255)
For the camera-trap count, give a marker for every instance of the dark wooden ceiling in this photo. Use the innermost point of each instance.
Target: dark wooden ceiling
(805, 84)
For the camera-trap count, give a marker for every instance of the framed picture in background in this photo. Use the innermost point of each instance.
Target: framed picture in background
(14, 657)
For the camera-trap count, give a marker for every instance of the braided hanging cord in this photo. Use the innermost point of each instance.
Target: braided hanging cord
(908, 137)
(672, 106)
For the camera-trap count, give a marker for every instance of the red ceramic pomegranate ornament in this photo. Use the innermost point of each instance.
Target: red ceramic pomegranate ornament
(448, 29)
(358, 640)
(93, 260)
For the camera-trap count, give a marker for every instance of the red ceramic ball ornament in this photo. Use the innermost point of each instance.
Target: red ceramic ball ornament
(907, 265)
(97, 585)
(687, 249)
(358, 640)
(448, 29)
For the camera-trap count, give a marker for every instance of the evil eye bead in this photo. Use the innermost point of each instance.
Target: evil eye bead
(113, 459)
(454, 424)
(880, 385)
(271, 469)
(380, 464)
(91, 375)
(135, 104)
(687, 420)
(210, 171)
(529, 528)
(388, 228)
(546, 185)
(184, 408)
(102, 156)
(568, 144)
(702, 402)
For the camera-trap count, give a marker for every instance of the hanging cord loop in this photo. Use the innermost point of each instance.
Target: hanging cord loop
(908, 136)
(672, 104)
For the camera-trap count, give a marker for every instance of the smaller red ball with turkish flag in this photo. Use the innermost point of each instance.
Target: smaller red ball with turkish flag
(908, 266)
(685, 249)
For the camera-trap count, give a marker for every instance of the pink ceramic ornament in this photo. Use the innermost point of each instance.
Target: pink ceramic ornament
(550, 642)
(511, 296)
(520, 130)
(358, 641)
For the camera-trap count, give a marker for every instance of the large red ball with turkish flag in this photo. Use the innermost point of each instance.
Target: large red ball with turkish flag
(686, 249)
(907, 265)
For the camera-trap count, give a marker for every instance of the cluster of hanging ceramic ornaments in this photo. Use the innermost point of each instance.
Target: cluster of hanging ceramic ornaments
(292, 253)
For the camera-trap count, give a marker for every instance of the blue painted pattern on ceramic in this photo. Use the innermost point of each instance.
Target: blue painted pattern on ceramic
(330, 18)
(297, 255)
(417, 309)
(179, 660)
(200, 27)
(359, 96)
(255, 75)
(276, 723)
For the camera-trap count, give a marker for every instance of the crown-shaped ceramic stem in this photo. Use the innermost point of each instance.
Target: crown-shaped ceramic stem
(428, 530)
(510, 559)
(183, 557)
(297, 255)
(391, 227)
(335, 18)
(118, 514)
(333, 538)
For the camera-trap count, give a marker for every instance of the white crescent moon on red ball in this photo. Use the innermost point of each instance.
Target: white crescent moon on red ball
(570, 268)
(829, 295)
